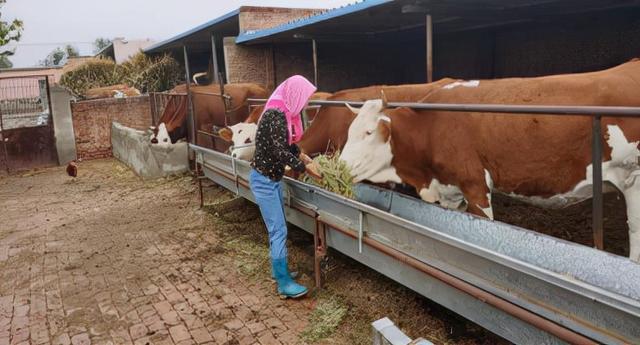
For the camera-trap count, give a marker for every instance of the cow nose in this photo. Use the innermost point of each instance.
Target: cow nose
(154, 140)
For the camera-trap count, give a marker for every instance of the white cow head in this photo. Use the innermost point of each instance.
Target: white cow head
(160, 135)
(243, 136)
(368, 149)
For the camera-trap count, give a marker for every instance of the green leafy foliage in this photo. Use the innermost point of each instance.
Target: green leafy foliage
(100, 43)
(9, 32)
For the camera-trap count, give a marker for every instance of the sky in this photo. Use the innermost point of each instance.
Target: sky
(52, 23)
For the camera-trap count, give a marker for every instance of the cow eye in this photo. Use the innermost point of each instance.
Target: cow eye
(240, 131)
(369, 132)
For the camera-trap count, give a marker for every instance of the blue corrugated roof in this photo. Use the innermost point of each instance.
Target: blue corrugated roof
(194, 30)
(330, 14)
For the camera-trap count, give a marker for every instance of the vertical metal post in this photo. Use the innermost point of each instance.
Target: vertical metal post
(596, 159)
(4, 144)
(274, 70)
(51, 123)
(315, 62)
(429, 26)
(360, 231)
(214, 58)
(320, 252)
(189, 109)
(200, 176)
(154, 110)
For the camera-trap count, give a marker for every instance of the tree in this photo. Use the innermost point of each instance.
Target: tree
(5, 62)
(60, 55)
(71, 51)
(100, 43)
(9, 32)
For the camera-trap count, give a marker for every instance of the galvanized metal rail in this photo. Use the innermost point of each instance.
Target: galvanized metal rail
(596, 112)
(526, 287)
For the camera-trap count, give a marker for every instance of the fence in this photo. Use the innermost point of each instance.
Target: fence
(158, 102)
(26, 124)
(24, 102)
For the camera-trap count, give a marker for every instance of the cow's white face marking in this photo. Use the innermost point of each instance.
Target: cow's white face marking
(488, 210)
(448, 196)
(243, 138)
(368, 151)
(163, 138)
(469, 83)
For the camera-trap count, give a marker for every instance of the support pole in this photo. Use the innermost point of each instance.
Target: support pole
(214, 58)
(51, 121)
(429, 26)
(4, 144)
(320, 252)
(190, 121)
(596, 159)
(315, 62)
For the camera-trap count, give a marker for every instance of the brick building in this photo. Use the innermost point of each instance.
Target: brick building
(236, 63)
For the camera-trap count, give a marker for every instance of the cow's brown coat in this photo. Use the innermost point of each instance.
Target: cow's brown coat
(525, 154)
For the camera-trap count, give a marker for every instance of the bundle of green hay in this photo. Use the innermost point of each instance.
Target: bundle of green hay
(144, 73)
(336, 176)
(151, 74)
(91, 74)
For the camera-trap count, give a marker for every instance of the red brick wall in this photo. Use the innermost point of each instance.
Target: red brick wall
(92, 122)
(255, 64)
(257, 18)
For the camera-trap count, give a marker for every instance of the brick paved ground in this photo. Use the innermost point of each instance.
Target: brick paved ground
(107, 259)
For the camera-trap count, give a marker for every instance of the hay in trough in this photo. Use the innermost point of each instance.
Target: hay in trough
(336, 176)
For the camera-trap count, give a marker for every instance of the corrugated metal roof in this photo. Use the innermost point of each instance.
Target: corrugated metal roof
(206, 26)
(301, 22)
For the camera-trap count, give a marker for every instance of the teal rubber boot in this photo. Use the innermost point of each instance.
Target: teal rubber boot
(287, 288)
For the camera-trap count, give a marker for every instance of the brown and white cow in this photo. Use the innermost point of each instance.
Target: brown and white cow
(545, 159)
(208, 111)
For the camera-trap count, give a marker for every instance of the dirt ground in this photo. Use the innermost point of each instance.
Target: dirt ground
(106, 258)
(572, 223)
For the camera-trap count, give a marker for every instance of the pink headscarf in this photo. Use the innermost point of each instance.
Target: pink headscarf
(291, 96)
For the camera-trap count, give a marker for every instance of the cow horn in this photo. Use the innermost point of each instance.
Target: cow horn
(353, 109)
(384, 99)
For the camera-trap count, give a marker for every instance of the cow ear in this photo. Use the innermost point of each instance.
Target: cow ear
(384, 129)
(226, 134)
(353, 109)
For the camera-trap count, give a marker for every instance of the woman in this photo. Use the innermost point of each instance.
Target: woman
(279, 128)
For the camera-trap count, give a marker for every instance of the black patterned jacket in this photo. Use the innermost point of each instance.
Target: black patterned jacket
(273, 151)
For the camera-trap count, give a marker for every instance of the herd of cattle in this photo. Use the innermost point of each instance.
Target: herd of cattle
(456, 159)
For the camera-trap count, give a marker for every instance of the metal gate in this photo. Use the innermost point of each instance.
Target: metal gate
(26, 124)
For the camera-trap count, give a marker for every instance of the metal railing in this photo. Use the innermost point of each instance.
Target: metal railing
(596, 112)
(158, 101)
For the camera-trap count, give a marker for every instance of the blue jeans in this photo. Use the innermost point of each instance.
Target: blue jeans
(269, 196)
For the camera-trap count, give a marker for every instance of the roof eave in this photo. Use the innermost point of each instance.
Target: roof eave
(252, 36)
(175, 39)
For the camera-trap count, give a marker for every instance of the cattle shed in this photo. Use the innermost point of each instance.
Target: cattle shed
(198, 43)
(386, 42)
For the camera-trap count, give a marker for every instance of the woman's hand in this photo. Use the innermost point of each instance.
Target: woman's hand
(313, 170)
(305, 159)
